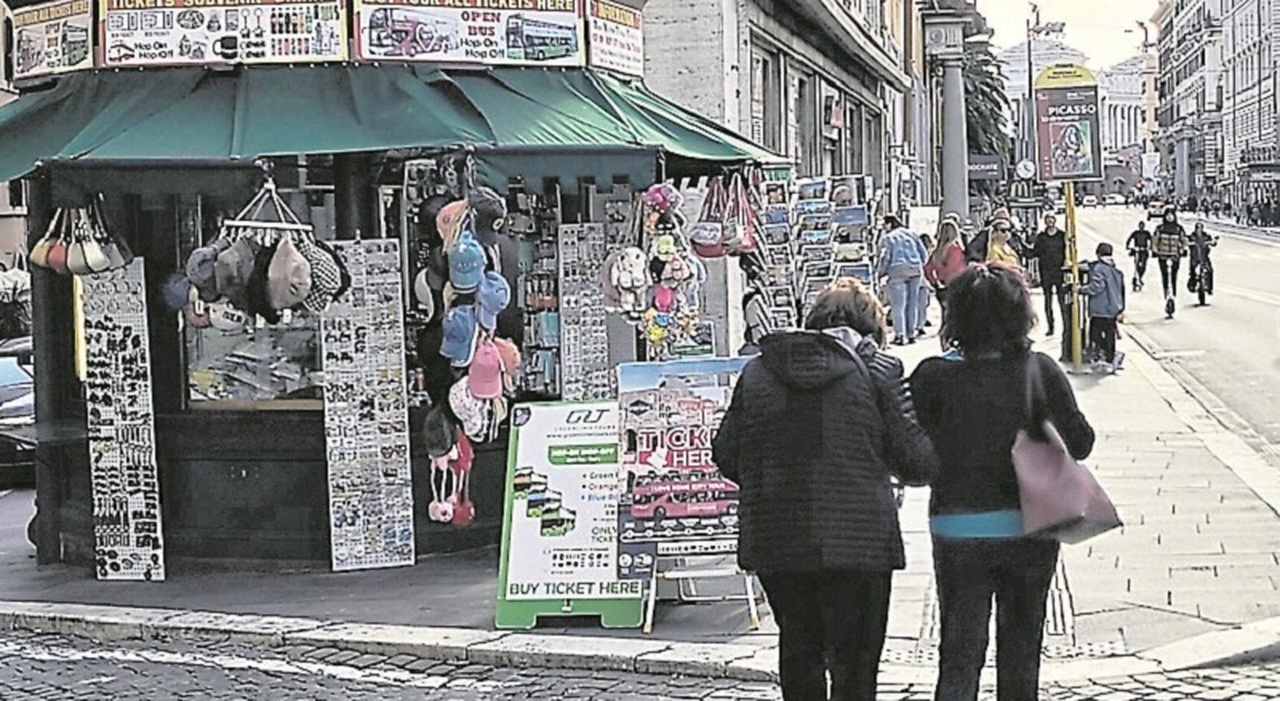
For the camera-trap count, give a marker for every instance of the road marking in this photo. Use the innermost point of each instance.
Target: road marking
(1263, 297)
(1169, 355)
(57, 653)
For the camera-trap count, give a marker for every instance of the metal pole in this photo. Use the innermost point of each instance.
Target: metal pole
(1073, 257)
(1029, 122)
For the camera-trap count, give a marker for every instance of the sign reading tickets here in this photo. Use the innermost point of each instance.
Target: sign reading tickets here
(674, 500)
(491, 32)
(52, 38)
(616, 35)
(202, 32)
(559, 548)
(127, 531)
(366, 412)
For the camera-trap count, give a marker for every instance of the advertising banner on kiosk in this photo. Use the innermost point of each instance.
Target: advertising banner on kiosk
(559, 543)
(675, 502)
(1068, 124)
(52, 38)
(139, 33)
(616, 37)
(489, 32)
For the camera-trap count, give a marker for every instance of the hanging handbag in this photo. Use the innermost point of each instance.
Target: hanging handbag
(57, 261)
(85, 255)
(708, 231)
(740, 232)
(116, 250)
(1060, 499)
(39, 255)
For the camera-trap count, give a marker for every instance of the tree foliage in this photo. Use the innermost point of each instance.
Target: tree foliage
(986, 106)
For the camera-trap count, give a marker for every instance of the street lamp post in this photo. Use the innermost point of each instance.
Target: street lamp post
(1034, 29)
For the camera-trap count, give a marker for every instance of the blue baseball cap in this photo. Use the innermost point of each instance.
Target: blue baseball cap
(460, 333)
(493, 295)
(466, 263)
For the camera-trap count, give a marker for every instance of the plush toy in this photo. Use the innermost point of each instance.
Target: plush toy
(630, 278)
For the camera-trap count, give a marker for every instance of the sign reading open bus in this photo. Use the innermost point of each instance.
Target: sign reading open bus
(492, 32)
(51, 38)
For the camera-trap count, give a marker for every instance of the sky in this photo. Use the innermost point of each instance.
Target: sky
(1096, 27)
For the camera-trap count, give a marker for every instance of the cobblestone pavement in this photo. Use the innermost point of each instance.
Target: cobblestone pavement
(59, 668)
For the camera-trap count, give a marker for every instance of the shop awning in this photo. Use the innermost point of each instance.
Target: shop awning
(204, 116)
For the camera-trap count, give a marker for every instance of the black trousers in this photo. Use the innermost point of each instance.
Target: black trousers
(1169, 274)
(1102, 333)
(830, 622)
(1054, 294)
(969, 573)
(1140, 264)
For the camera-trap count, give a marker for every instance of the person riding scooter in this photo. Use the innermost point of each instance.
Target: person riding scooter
(1200, 246)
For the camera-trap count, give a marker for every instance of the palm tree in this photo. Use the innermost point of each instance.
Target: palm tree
(986, 105)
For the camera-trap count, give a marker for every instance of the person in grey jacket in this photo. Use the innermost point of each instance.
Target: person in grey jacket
(1105, 290)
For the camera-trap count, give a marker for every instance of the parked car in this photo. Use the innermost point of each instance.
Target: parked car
(1155, 209)
(1089, 201)
(1114, 198)
(17, 413)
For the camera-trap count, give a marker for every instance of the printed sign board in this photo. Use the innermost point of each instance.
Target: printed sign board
(616, 35)
(559, 545)
(51, 38)
(491, 32)
(675, 502)
(1068, 126)
(985, 167)
(127, 531)
(203, 32)
(365, 416)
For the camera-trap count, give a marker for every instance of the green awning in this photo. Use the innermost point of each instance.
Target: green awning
(202, 116)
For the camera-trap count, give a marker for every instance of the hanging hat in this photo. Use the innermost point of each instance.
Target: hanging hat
(424, 294)
(449, 222)
(485, 374)
(510, 356)
(466, 264)
(428, 213)
(288, 276)
(201, 266)
(232, 271)
(329, 277)
(468, 409)
(490, 212)
(258, 301)
(438, 432)
(460, 334)
(493, 295)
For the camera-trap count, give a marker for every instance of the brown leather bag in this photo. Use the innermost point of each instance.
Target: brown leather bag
(1060, 498)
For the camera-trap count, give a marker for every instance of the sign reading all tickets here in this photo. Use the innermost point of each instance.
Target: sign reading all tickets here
(52, 38)
(674, 501)
(489, 32)
(366, 412)
(559, 549)
(616, 35)
(200, 32)
(127, 530)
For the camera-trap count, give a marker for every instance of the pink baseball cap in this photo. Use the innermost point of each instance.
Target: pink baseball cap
(485, 375)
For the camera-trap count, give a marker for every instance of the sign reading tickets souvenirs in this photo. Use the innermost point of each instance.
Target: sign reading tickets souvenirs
(51, 38)
(559, 553)
(201, 32)
(365, 412)
(492, 32)
(675, 502)
(128, 538)
(617, 37)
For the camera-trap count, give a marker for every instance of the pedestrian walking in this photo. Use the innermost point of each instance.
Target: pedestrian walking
(1051, 253)
(946, 261)
(1106, 292)
(926, 290)
(999, 246)
(972, 403)
(819, 423)
(901, 262)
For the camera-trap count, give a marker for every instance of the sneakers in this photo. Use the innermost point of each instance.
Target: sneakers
(1168, 308)
(1119, 362)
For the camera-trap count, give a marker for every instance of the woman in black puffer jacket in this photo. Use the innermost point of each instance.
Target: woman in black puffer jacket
(818, 425)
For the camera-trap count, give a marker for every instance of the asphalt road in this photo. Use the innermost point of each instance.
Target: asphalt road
(1226, 353)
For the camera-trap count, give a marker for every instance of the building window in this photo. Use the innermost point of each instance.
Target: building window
(17, 194)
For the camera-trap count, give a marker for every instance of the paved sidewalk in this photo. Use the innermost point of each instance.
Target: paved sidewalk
(1198, 556)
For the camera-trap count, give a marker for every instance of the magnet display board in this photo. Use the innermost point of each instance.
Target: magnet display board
(127, 529)
(559, 552)
(586, 371)
(366, 412)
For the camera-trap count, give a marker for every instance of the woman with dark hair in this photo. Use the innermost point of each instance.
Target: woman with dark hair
(973, 402)
(819, 423)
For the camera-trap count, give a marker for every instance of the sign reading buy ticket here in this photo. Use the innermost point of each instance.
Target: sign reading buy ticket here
(202, 32)
(51, 38)
(559, 549)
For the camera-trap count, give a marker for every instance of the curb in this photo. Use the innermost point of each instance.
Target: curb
(1252, 642)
